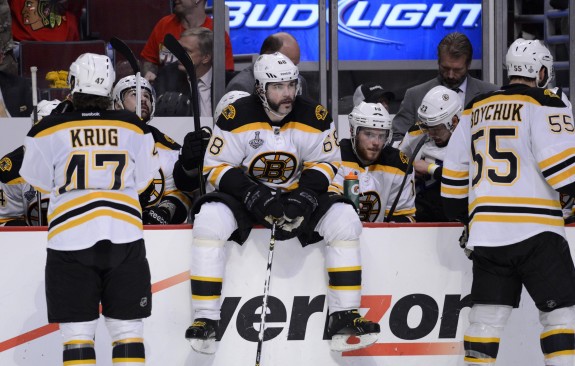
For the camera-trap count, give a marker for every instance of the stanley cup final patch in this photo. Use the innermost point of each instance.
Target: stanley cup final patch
(256, 142)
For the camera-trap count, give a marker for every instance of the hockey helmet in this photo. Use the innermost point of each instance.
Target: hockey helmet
(273, 68)
(92, 74)
(526, 58)
(438, 107)
(129, 83)
(228, 99)
(369, 115)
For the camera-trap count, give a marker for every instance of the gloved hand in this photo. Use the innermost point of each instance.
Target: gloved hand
(194, 148)
(463, 242)
(264, 205)
(156, 216)
(300, 204)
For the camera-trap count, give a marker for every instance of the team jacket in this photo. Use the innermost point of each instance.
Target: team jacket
(510, 154)
(93, 163)
(164, 187)
(297, 151)
(379, 183)
(18, 199)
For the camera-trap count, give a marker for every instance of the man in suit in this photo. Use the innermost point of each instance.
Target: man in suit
(15, 93)
(454, 55)
(281, 42)
(198, 42)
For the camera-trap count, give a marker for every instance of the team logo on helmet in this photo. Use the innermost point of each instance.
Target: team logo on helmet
(256, 142)
(272, 167)
(370, 206)
(320, 112)
(229, 112)
(5, 164)
(444, 97)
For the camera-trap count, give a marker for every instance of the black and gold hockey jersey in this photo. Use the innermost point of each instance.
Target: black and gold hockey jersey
(273, 154)
(508, 157)
(18, 199)
(379, 183)
(93, 163)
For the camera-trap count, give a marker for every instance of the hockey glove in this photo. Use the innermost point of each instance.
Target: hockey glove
(463, 242)
(156, 216)
(263, 205)
(300, 204)
(194, 148)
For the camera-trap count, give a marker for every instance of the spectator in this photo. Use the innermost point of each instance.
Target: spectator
(281, 42)
(187, 14)
(9, 64)
(43, 20)
(173, 77)
(163, 204)
(454, 54)
(438, 116)
(381, 169)
(15, 94)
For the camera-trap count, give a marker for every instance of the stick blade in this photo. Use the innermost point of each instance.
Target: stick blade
(121, 47)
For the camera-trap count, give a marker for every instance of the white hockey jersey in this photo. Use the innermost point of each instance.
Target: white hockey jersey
(93, 164)
(508, 156)
(274, 155)
(429, 152)
(379, 183)
(18, 199)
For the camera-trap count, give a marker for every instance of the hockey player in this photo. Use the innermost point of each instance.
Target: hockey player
(505, 165)
(164, 203)
(379, 167)
(275, 142)
(438, 115)
(93, 162)
(18, 199)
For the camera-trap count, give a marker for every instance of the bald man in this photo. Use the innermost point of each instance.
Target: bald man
(278, 42)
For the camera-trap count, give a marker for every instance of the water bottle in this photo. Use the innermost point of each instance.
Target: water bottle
(351, 188)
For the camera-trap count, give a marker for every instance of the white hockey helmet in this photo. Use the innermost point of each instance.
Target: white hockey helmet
(44, 108)
(439, 106)
(129, 82)
(526, 58)
(273, 68)
(92, 74)
(228, 99)
(369, 115)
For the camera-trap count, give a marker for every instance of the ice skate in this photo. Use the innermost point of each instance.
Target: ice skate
(345, 324)
(202, 335)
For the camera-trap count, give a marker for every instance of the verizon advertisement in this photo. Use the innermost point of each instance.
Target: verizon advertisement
(368, 29)
(416, 283)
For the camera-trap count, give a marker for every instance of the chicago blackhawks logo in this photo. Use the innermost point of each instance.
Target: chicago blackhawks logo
(272, 167)
(370, 206)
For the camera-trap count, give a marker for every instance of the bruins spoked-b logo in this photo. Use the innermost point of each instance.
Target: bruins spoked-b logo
(256, 142)
(6, 164)
(370, 204)
(272, 167)
(159, 186)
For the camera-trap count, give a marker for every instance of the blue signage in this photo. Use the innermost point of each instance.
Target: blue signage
(368, 30)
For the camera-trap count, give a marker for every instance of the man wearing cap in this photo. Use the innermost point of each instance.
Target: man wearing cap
(454, 54)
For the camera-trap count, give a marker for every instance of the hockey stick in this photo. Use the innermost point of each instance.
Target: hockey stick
(182, 55)
(121, 47)
(409, 166)
(34, 75)
(266, 292)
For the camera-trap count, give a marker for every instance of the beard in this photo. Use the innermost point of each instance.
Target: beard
(275, 107)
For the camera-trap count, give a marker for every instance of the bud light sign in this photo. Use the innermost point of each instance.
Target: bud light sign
(368, 29)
